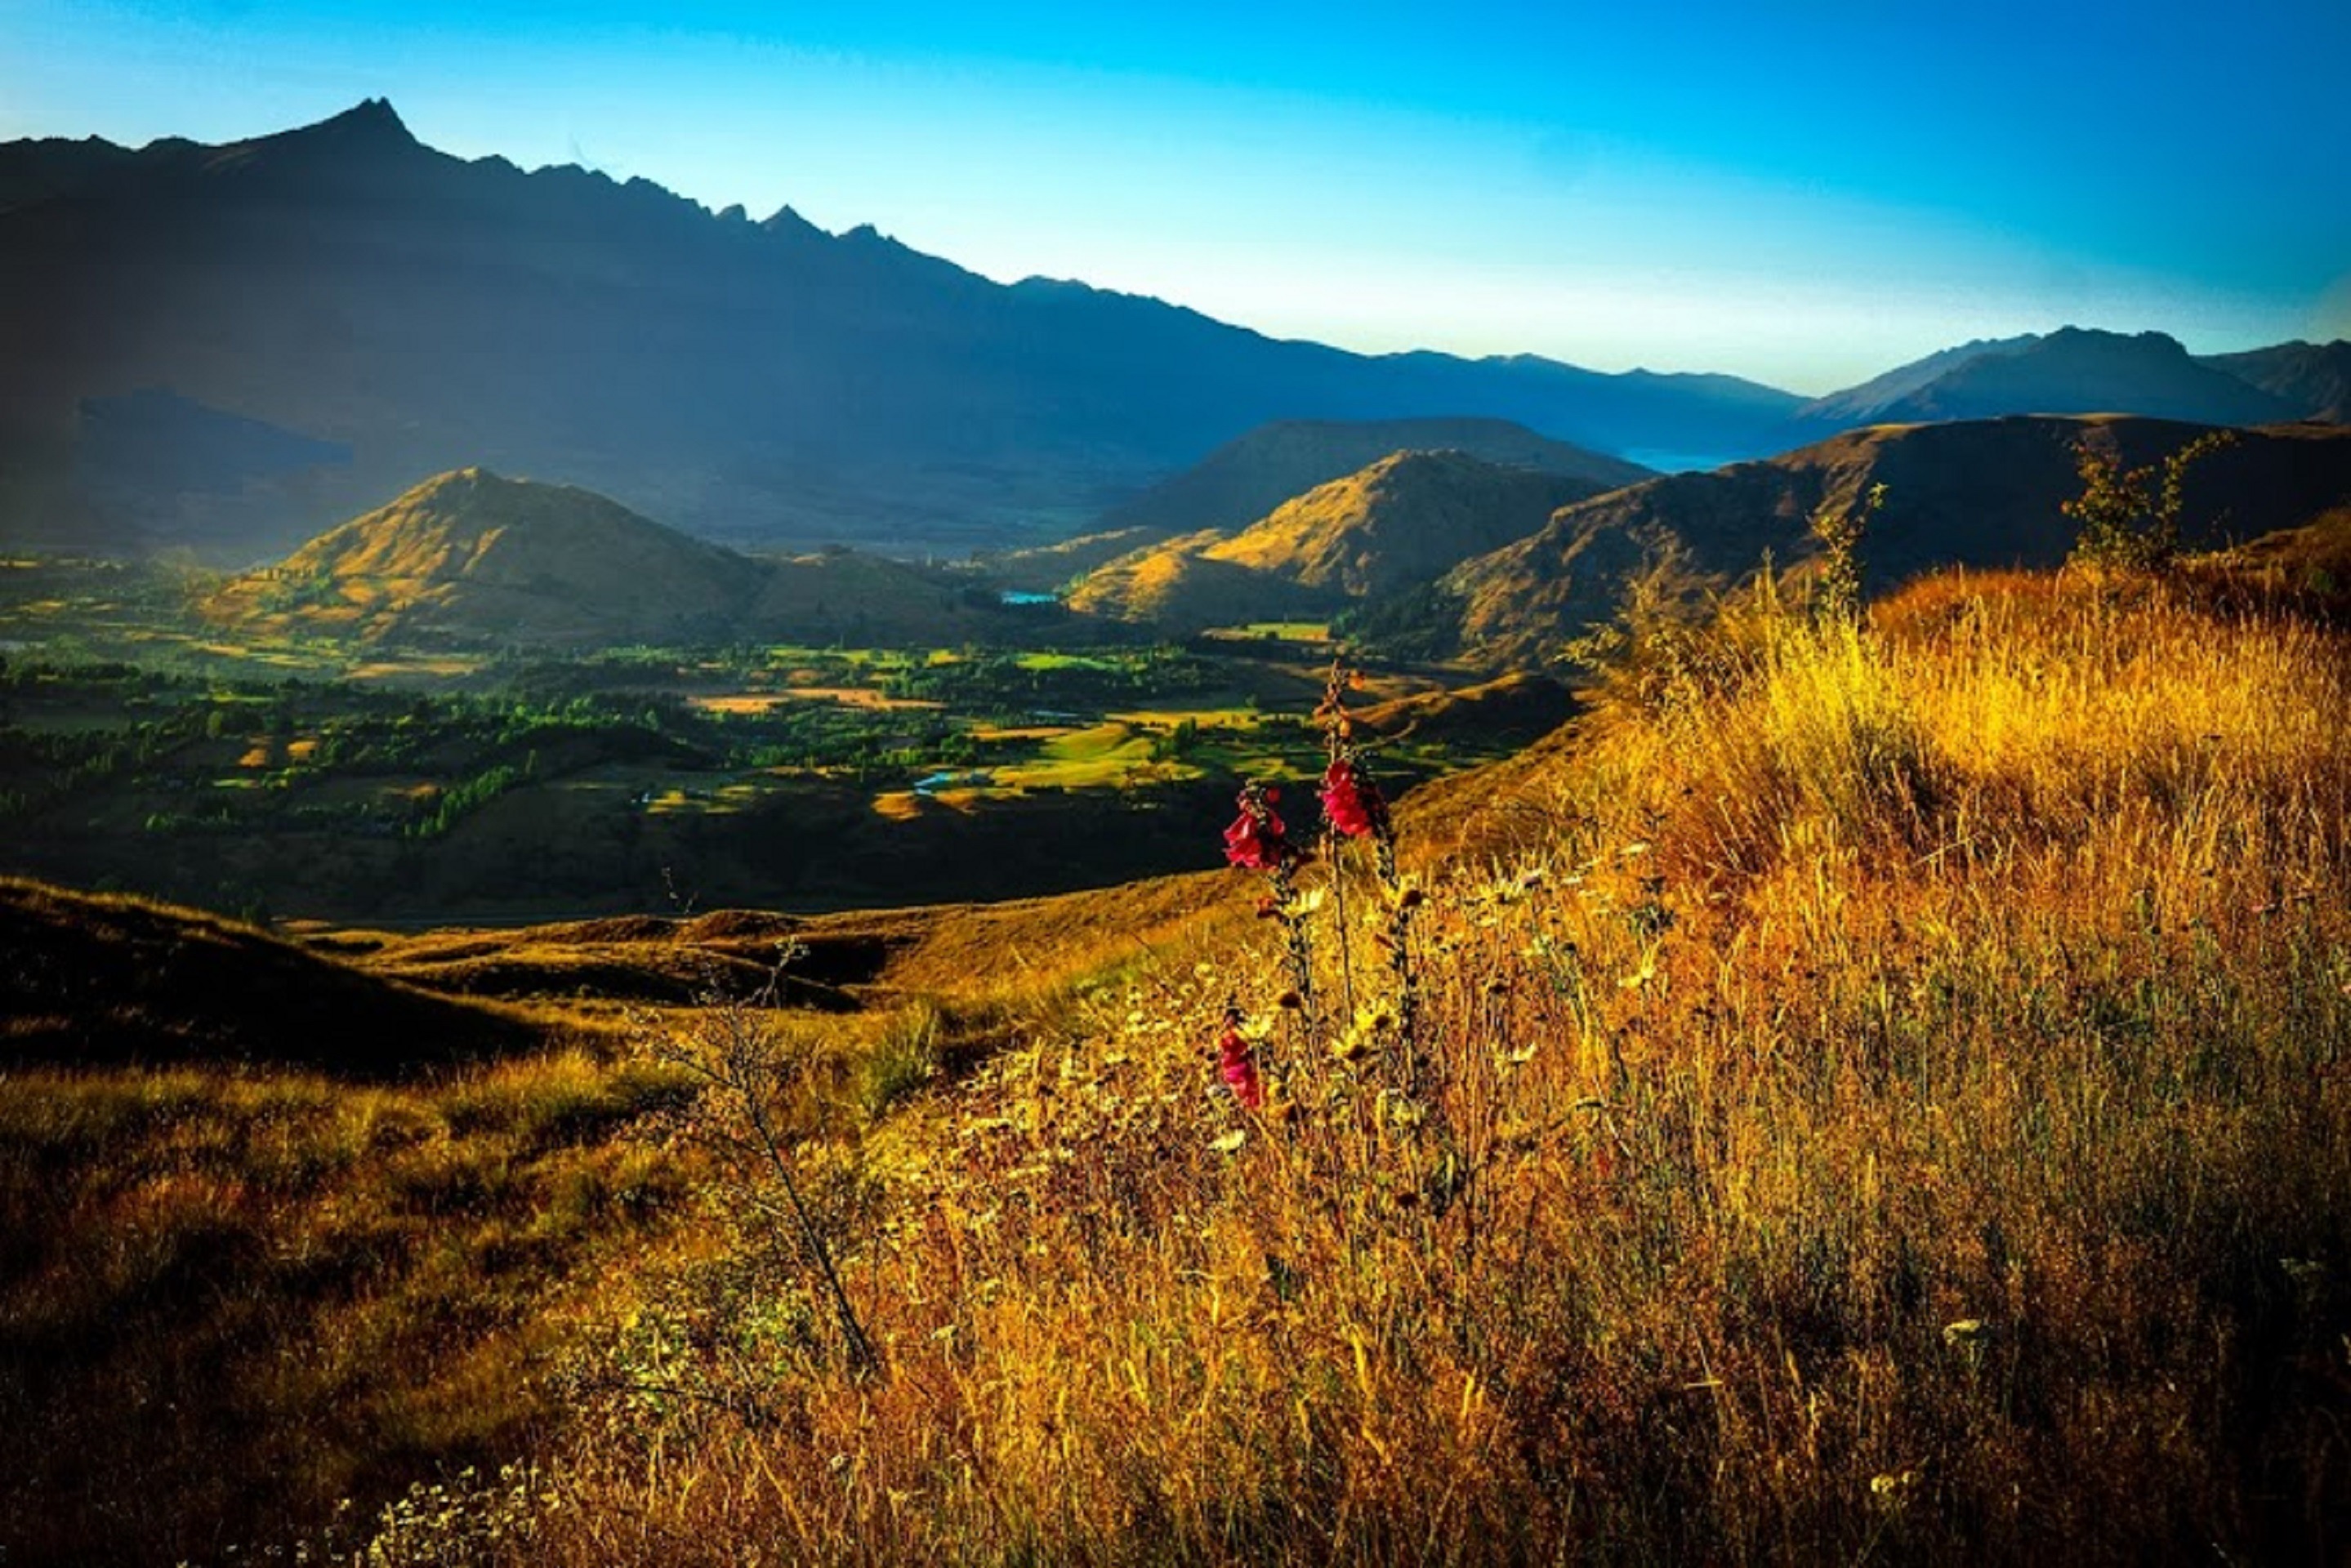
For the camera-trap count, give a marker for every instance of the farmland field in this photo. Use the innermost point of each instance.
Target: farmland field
(143, 750)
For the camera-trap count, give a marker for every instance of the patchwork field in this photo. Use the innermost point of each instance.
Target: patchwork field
(312, 778)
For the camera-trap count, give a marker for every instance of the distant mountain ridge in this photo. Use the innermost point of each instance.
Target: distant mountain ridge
(759, 381)
(2080, 370)
(2312, 377)
(1870, 402)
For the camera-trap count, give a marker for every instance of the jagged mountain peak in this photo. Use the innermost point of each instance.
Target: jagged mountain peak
(371, 117)
(370, 127)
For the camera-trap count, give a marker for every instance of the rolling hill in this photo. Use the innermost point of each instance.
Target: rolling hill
(1404, 520)
(1980, 493)
(472, 559)
(345, 285)
(1249, 476)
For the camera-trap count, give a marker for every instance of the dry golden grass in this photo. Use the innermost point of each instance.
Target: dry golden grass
(228, 1300)
(1884, 1095)
(238, 1286)
(1901, 1112)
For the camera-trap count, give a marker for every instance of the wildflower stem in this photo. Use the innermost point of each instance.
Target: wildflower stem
(1346, 929)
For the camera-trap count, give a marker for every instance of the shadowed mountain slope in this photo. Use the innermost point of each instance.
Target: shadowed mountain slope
(2312, 379)
(1983, 493)
(1867, 403)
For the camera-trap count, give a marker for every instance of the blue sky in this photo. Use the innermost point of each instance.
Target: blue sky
(1805, 192)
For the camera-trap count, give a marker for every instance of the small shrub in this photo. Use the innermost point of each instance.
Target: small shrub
(1837, 585)
(2130, 517)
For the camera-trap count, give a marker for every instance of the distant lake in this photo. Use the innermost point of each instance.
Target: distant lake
(1677, 461)
(1024, 597)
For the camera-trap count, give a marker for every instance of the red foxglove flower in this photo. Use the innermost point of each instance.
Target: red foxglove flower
(1240, 1073)
(1350, 803)
(1257, 841)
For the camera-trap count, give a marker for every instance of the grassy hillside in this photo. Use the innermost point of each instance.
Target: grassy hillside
(1175, 585)
(1888, 1100)
(1402, 521)
(1250, 475)
(1987, 494)
(473, 560)
(298, 1260)
(471, 557)
(1861, 1092)
(1868, 1093)
(297, 1254)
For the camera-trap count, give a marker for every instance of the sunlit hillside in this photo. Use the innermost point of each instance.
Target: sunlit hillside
(1402, 521)
(1985, 494)
(471, 559)
(1255, 472)
(471, 556)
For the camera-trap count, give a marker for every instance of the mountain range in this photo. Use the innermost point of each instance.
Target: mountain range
(228, 348)
(1435, 552)
(760, 381)
(2075, 371)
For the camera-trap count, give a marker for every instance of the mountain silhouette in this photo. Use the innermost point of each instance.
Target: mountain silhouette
(2312, 379)
(2074, 370)
(1869, 403)
(763, 382)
